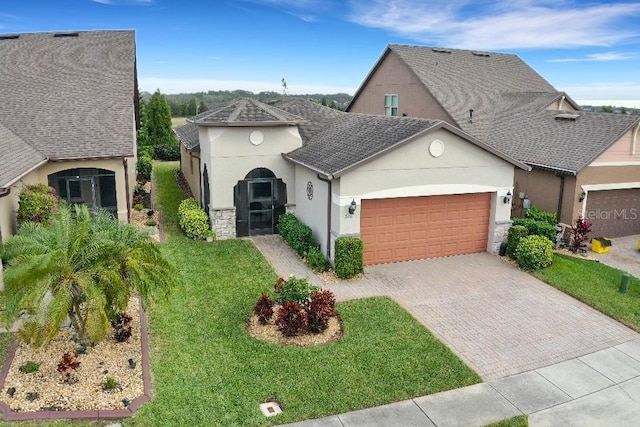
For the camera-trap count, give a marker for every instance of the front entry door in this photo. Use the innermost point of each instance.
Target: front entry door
(81, 191)
(261, 207)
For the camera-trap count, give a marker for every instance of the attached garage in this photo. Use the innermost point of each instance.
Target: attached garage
(614, 213)
(408, 228)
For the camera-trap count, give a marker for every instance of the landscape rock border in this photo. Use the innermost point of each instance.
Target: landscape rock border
(97, 414)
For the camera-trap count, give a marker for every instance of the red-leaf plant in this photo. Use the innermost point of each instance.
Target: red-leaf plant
(264, 309)
(320, 308)
(579, 231)
(292, 319)
(68, 364)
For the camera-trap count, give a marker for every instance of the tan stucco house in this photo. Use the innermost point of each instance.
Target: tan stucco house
(68, 118)
(411, 188)
(583, 163)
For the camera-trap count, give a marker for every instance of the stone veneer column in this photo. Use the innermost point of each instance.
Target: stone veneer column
(500, 233)
(223, 222)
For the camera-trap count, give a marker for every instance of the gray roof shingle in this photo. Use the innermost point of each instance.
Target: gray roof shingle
(17, 157)
(246, 112)
(509, 101)
(188, 136)
(317, 115)
(70, 97)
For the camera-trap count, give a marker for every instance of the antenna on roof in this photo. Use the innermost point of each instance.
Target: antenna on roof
(470, 115)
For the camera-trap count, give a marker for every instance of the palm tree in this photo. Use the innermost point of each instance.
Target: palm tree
(78, 266)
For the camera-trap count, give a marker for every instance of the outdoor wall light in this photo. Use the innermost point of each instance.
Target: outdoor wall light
(352, 207)
(582, 197)
(507, 198)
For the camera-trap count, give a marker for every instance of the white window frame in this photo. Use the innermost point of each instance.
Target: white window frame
(389, 108)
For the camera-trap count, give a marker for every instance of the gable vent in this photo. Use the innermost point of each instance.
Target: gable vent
(65, 35)
(482, 54)
(567, 116)
(10, 37)
(440, 50)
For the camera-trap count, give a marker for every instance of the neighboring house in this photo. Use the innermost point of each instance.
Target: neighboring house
(410, 188)
(584, 163)
(68, 118)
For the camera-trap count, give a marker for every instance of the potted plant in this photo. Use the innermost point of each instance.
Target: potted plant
(211, 235)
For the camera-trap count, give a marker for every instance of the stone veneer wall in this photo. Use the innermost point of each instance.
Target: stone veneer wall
(500, 234)
(223, 222)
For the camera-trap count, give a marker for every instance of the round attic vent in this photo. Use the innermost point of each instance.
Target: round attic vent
(256, 137)
(436, 148)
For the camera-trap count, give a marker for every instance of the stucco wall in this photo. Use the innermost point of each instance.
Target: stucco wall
(541, 187)
(9, 204)
(411, 170)
(621, 152)
(393, 77)
(230, 156)
(312, 212)
(190, 166)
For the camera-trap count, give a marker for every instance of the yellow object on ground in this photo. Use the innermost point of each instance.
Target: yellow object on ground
(600, 245)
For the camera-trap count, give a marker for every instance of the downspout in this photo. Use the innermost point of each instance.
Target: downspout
(560, 196)
(328, 181)
(126, 185)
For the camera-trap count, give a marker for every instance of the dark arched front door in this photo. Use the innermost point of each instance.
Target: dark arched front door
(259, 199)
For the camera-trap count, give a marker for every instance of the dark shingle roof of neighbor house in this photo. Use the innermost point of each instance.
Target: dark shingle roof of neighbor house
(509, 101)
(188, 136)
(346, 140)
(67, 96)
(246, 112)
(317, 115)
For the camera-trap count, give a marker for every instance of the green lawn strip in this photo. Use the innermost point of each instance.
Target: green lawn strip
(519, 421)
(207, 370)
(169, 195)
(597, 285)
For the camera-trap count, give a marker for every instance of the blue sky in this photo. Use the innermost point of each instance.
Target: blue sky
(590, 49)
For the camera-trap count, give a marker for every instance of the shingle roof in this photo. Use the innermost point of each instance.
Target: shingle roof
(70, 96)
(246, 112)
(551, 139)
(17, 157)
(188, 136)
(317, 115)
(509, 101)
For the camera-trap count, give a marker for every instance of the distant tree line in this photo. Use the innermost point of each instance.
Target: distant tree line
(191, 104)
(612, 109)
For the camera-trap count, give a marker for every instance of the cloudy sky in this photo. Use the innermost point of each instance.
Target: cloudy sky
(590, 49)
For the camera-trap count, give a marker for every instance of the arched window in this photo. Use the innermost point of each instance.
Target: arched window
(95, 188)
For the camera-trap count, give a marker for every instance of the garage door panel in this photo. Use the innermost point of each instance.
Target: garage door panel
(614, 213)
(424, 227)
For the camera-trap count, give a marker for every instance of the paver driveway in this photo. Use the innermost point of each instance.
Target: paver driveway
(498, 319)
(623, 255)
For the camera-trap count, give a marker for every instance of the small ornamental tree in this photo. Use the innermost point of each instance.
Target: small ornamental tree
(579, 234)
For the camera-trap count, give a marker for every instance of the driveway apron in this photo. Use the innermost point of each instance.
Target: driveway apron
(623, 255)
(500, 320)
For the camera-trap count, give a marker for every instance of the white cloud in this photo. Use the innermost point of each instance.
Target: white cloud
(598, 57)
(604, 90)
(125, 2)
(499, 25)
(173, 85)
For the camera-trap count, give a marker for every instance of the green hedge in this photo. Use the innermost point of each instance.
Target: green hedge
(36, 203)
(316, 260)
(193, 220)
(516, 232)
(143, 166)
(538, 214)
(534, 253)
(349, 257)
(538, 228)
(297, 235)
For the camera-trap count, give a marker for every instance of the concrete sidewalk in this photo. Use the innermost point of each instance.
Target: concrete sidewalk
(599, 389)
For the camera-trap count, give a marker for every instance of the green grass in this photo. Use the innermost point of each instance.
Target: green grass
(597, 285)
(178, 121)
(207, 370)
(519, 421)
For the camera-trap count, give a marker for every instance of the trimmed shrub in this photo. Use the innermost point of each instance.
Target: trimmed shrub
(195, 224)
(139, 190)
(534, 253)
(145, 151)
(167, 152)
(538, 228)
(349, 257)
(294, 290)
(292, 319)
(143, 166)
(36, 203)
(316, 260)
(264, 308)
(187, 204)
(297, 235)
(516, 232)
(320, 308)
(538, 214)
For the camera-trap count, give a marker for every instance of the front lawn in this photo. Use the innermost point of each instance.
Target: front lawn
(597, 285)
(208, 371)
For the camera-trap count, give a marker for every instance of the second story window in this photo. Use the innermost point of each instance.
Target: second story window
(391, 105)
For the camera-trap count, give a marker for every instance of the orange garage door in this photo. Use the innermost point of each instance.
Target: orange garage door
(409, 228)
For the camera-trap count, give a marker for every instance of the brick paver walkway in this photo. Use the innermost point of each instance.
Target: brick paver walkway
(498, 319)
